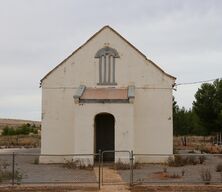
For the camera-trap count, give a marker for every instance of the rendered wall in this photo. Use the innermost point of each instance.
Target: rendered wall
(85, 127)
(68, 127)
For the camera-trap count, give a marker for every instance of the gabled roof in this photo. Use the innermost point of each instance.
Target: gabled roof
(107, 26)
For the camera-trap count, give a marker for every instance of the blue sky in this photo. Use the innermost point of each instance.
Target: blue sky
(183, 37)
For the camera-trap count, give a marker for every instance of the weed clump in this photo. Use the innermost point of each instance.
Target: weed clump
(120, 165)
(174, 176)
(36, 161)
(206, 176)
(219, 167)
(77, 164)
(5, 174)
(179, 161)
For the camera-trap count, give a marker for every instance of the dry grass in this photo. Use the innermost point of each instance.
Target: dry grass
(193, 142)
(212, 149)
(17, 122)
(200, 143)
(124, 166)
(219, 167)
(179, 161)
(206, 175)
(20, 141)
(77, 164)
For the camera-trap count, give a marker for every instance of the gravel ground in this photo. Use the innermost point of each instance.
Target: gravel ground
(41, 173)
(154, 173)
(146, 173)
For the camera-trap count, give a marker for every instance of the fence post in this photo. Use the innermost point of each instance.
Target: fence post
(13, 168)
(99, 169)
(102, 166)
(131, 168)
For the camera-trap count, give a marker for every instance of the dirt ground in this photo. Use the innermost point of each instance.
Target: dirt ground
(113, 188)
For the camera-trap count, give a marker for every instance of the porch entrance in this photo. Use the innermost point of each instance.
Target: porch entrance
(105, 135)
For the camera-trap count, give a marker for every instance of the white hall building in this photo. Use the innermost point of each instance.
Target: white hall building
(106, 96)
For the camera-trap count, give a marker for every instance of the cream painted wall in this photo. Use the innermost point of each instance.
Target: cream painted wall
(144, 126)
(131, 67)
(58, 121)
(84, 124)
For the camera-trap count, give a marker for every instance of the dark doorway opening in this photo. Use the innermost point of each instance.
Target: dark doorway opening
(104, 135)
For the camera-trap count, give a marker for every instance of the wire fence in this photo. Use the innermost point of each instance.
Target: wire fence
(25, 168)
(194, 168)
(128, 168)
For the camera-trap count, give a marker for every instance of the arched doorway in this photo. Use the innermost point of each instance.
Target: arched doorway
(105, 134)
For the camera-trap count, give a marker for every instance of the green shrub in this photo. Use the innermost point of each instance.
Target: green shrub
(8, 131)
(21, 130)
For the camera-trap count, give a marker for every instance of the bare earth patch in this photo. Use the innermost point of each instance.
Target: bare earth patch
(162, 176)
(48, 188)
(113, 188)
(178, 188)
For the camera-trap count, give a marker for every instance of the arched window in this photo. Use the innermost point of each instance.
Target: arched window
(107, 57)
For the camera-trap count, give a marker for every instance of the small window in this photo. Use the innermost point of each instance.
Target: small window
(107, 57)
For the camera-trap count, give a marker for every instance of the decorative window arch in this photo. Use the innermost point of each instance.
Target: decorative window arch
(107, 57)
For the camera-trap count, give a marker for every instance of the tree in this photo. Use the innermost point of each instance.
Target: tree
(208, 106)
(181, 120)
(186, 122)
